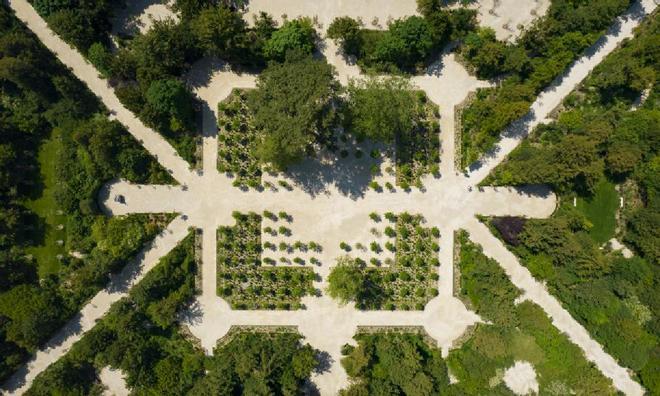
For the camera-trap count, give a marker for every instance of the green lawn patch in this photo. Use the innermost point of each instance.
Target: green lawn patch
(46, 208)
(600, 209)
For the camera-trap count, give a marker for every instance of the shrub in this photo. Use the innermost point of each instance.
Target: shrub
(297, 35)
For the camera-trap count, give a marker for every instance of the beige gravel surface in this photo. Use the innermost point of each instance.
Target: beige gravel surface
(114, 382)
(521, 379)
(328, 212)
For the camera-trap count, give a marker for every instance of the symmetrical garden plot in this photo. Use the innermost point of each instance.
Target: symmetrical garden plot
(448, 203)
(244, 282)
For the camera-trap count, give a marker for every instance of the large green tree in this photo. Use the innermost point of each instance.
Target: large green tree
(293, 107)
(219, 31)
(381, 109)
(171, 98)
(394, 364)
(259, 364)
(346, 280)
(297, 35)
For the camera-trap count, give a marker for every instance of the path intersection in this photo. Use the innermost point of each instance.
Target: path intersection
(204, 199)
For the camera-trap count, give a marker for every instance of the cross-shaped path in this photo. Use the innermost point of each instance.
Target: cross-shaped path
(206, 199)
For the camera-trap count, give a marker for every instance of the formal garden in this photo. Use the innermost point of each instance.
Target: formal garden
(247, 283)
(237, 142)
(410, 128)
(59, 247)
(409, 125)
(406, 283)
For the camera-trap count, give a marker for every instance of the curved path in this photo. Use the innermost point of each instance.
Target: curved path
(207, 200)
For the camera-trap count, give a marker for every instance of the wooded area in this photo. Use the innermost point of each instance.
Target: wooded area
(44, 280)
(526, 66)
(604, 134)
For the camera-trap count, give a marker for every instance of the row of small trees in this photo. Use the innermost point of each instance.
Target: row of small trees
(408, 283)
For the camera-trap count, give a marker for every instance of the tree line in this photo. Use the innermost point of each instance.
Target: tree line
(42, 102)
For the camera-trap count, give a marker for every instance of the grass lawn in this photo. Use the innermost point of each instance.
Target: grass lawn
(46, 208)
(601, 211)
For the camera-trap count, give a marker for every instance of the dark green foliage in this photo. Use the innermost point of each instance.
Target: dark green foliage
(43, 105)
(346, 32)
(541, 54)
(32, 315)
(514, 333)
(171, 100)
(394, 364)
(292, 105)
(258, 363)
(407, 45)
(47, 7)
(365, 104)
(100, 57)
(139, 335)
(163, 51)
(297, 35)
(220, 32)
(79, 22)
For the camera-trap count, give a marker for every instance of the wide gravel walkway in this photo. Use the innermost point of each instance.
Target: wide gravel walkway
(206, 199)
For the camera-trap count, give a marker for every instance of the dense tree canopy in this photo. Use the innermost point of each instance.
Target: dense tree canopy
(219, 31)
(381, 109)
(408, 44)
(530, 63)
(298, 35)
(346, 280)
(171, 99)
(293, 106)
(57, 149)
(394, 364)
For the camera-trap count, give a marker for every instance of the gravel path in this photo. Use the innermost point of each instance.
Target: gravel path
(327, 213)
(552, 96)
(118, 287)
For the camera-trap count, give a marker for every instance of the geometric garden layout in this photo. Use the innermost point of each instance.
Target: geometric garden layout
(205, 199)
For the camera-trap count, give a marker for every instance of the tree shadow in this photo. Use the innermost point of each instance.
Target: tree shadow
(126, 21)
(350, 175)
(324, 362)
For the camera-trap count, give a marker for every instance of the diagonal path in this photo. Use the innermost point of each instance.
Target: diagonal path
(561, 319)
(151, 140)
(552, 96)
(117, 288)
(206, 200)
